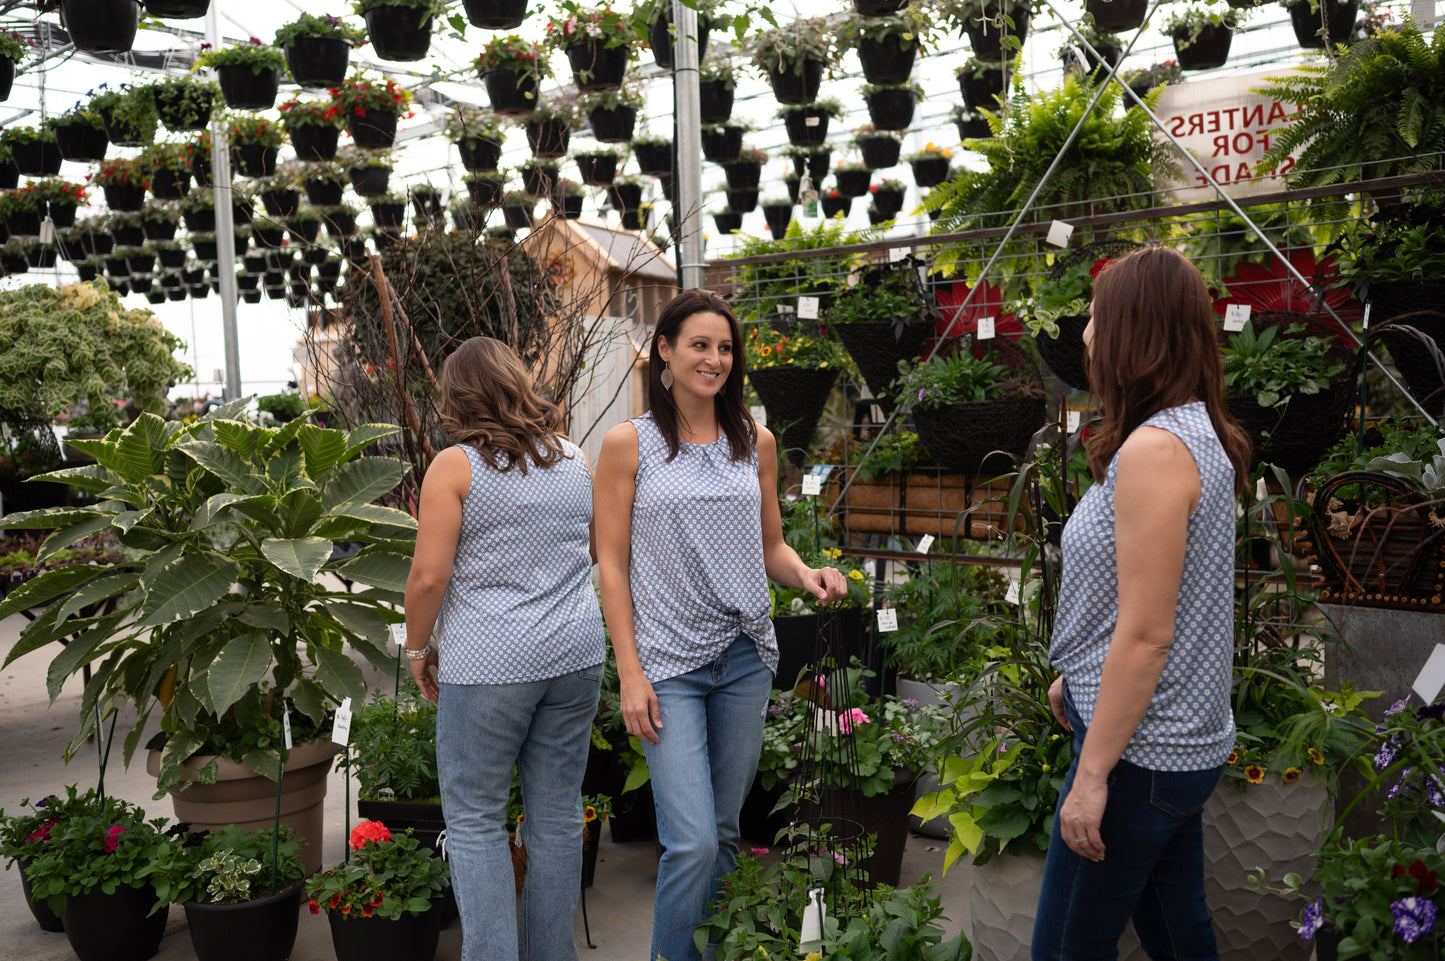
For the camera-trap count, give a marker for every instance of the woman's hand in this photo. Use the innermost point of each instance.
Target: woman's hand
(1056, 703)
(1080, 816)
(423, 669)
(826, 583)
(640, 712)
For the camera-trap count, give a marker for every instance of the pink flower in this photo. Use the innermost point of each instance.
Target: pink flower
(41, 833)
(759, 851)
(838, 856)
(850, 718)
(112, 838)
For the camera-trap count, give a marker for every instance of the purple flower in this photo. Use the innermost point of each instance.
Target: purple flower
(1313, 920)
(1404, 777)
(1432, 790)
(1434, 711)
(1398, 706)
(775, 709)
(1385, 756)
(922, 393)
(899, 736)
(1413, 917)
(257, 41)
(332, 21)
(910, 702)
(45, 801)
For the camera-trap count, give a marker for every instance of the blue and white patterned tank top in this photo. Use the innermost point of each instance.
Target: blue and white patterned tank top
(1188, 725)
(520, 606)
(696, 570)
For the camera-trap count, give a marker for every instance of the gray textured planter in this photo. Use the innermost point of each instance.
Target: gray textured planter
(1003, 901)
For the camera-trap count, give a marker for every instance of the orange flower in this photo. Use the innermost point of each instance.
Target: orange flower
(335, 900)
(366, 911)
(1254, 773)
(1233, 757)
(315, 908)
(589, 813)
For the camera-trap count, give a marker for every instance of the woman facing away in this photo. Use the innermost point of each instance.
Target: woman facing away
(688, 533)
(1144, 637)
(502, 570)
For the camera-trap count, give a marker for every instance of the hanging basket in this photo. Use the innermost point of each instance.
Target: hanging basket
(877, 347)
(880, 153)
(254, 159)
(1208, 50)
(654, 158)
(892, 108)
(807, 126)
(792, 87)
(315, 142)
(1414, 343)
(79, 142)
(101, 26)
(977, 437)
(171, 103)
(318, 61)
(597, 170)
(323, 191)
(778, 216)
(659, 38)
(1117, 16)
(794, 398)
(1065, 353)
(716, 100)
(613, 125)
(887, 60)
(479, 154)
(372, 129)
(511, 94)
(177, 9)
(722, 144)
(281, 202)
(369, 181)
(930, 171)
(399, 33)
(981, 90)
(244, 89)
(495, 14)
(1312, 22)
(986, 37)
(38, 158)
(597, 67)
(568, 206)
(852, 183)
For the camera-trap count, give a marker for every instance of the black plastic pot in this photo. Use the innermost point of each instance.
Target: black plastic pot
(315, 142)
(372, 129)
(808, 126)
(743, 174)
(369, 181)
(172, 258)
(198, 220)
(625, 196)
(974, 128)
(930, 171)
(876, 347)
(339, 223)
(479, 154)
(887, 60)
(879, 153)
(1117, 16)
(123, 133)
(159, 230)
(794, 398)
(596, 66)
(281, 203)
(177, 9)
(980, 89)
(612, 125)
(852, 182)
(721, 145)
(206, 251)
(426, 204)
(23, 223)
(486, 192)
(245, 90)
(1110, 52)
(114, 927)
(833, 206)
(127, 235)
(140, 263)
(303, 231)
(655, 158)
(814, 164)
(548, 137)
(778, 216)
(101, 26)
(634, 220)
(254, 159)
(399, 33)
(568, 206)
(323, 191)
(81, 142)
(7, 77)
(411, 936)
(98, 243)
(596, 169)
(511, 94)
(389, 215)
(659, 38)
(878, 8)
(269, 237)
(318, 61)
(62, 214)
(38, 158)
(539, 180)
(1331, 16)
(727, 221)
(519, 216)
(170, 183)
(716, 100)
(1210, 48)
(888, 201)
(796, 87)
(168, 107)
(496, 14)
(743, 201)
(121, 197)
(987, 39)
(41, 256)
(201, 168)
(794, 184)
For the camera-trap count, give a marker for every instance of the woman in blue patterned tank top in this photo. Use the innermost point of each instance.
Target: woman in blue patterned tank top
(502, 570)
(688, 534)
(1144, 637)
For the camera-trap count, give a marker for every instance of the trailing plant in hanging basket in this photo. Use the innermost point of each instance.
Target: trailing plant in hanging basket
(255, 55)
(185, 103)
(930, 165)
(1202, 34)
(121, 172)
(79, 134)
(795, 57)
(128, 112)
(1144, 79)
(310, 113)
(886, 46)
(254, 128)
(597, 41)
(14, 47)
(401, 30)
(992, 26)
(318, 48)
(513, 69)
(371, 109)
(612, 114)
(249, 73)
(891, 106)
(549, 127)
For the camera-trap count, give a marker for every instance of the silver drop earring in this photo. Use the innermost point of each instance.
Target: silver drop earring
(666, 376)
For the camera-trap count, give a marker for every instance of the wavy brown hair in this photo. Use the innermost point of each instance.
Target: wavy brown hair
(488, 401)
(732, 413)
(1155, 347)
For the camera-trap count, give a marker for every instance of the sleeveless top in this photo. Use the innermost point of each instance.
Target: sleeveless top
(1188, 725)
(520, 605)
(696, 570)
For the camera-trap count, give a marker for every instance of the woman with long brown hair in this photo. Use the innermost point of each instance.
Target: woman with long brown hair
(502, 570)
(1144, 637)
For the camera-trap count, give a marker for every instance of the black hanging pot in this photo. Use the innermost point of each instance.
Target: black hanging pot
(548, 137)
(201, 168)
(727, 221)
(140, 263)
(625, 196)
(426, 205)
(986, 37)
(519, 216)
(716, 100)
(318, 61)
(254, 159)
(1110, 53)
(778, 215)
(1117, 16)
(101, 26)
(170, 183)
(879, 153)
(1331, 16)
(743, 201)
(479, 154)
(37, 158)
(973, 128)
(398, 32)
(281, 202)
(878, 8)
(129, 235)
(251, 296)
(97, 243)
(655, 158)
(634, 220)
(123, 197)
(369, 181)
(892, 107)
(255, 263)
(1065, 353)
(807, 126)
(372, 129)
(485, 192)
(887, 60)
(852, 182)
(794, 87)
(877, 347)
(270, 237)
(169, 102)
(930, 171)
(721, 145)
(312, 256)
(9, 175)
(123, 133)
(7, 77)
(199, 219)
(389, 214)
(980, 88)
(244, 89)
(468, 219)
(13, 263)
(889, 201)
(23, 223)
(496, 14)
(114, 927)
(323, 191)
(339, 223)
(206, 250)
(568, 206)
(79, 141)
(177, 9)
(172, 258)
(833, 206)
(612, 125)
(814, 164)
(539, 180)
(62, 215)
(1208, 50)
(303, 231)
(794, 183)
(511, 94)
(597, 169)
(596, 66)
(315, 142)
(794, 398)
(743, 174)
(659, 38)
(963, 437)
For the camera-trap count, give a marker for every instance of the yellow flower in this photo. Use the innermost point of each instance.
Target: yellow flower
(814, 956)
(855, 575)
(1233, 757)
(1291, 774)
(589, 813)
(1315, 756)
(1254, 773)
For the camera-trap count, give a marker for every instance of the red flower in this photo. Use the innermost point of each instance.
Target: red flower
(366, 912)
(377, 902)
(359, 112)
(112, 838)
(1098, 266)
(315, 908)
(346, 909)
(373, 831)
(335, 900)
(1272, 287)
(1425, 879)
(955, 320)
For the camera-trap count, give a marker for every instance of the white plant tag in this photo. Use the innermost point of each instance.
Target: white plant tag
(341, 724)
(1012, 594)
(47, 231)
(985, 328)
(760, 414)
(1236, 316)
(812, 121)
(1072, 419)
(875, 414)
(822, 470)
(811, 931)
(888, 619)
(864, 393)
(812, 485)
(1432, 676)
(1260, 490)
(1365, 321)
(286, 725)
(398, 635)
(807, 308)
(898, 253)
(925, 543)
(1059, 233)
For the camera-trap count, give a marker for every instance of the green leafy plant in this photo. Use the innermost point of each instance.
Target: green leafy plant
(282, 407)
(829, 105)
(435, 9)
(259, 57)
(1185, 24)
(388, 875)
(228, 866)
(23, 836)
(131, 106)
(1394, 249)
(512, 52)
(714, 67)
(910, 26)
(787, 48)
(251, 128)
(575, 24)
(12, 136)
(168, 156)
(80, 113)
(943, 628)
(310, 113)
(101, 844)
(1272, 368)
(893, 297)
(465, 122)
(393, 747)
(1156, 75)
(958, 378)
(358, 94)
(13, 46)
(896, 452)
(768, 347)
(764, 287)
(311, 25)
(627, 95)
(187, 99)
(1067, 295)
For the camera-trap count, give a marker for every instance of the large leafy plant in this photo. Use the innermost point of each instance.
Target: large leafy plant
(221, 613)
(1272, 369)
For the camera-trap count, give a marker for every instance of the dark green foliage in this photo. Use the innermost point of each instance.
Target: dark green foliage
(394, 746)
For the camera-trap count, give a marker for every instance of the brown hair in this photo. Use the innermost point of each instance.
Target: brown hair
(732, 413)
(1155, 347)
(488, 401)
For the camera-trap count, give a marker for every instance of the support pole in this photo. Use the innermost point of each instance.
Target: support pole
(688, 149)
(225, 229)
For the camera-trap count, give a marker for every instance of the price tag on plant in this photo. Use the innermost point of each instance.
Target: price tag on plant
(47, 231)
(864, 393)
(1012, 594)
(398, 635)
(807, 308)
(1236, 316)
(286, 724)
(341, 723)
(1059, 233)
(1432, 676)
(985, 328)
(812, 485)
(760, 415)
(888, 619)
(1365, 320)
(1072, 419)
(812, 121)
(925, 543)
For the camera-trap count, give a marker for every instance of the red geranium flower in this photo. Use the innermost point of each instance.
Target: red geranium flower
(373, 831)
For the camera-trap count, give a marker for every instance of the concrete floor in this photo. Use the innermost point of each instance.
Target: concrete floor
(34, 734)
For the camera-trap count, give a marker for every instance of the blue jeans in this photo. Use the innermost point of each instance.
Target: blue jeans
(1152, 872)
(543, 728)
(702, 767)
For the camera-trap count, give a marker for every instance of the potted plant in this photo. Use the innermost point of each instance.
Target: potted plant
(79, 134)
(1116, 16)
(886, 46)
(1145, 79)
(518, 209)
(612, 114)
(169, 170)
(128, 113)
(184, 103)
(971, 124)
(807, 124)
(389, 211)
(241, 892)
(513, 69)
(851, 178)
(539, 178)
(371, 109)
(549, 127)
(654, 154)
(24, 835)
(13, 49)
(485, 190)
(716, 89)
(318, 48)
(652, 21)
(314, 127)
(793, 375)
(478, 136)
(124, 183)
(794, 58)
(58, 199)
(255, 143)
(991, 26)
(598, 166)
(249, 73)
(625, 192)
(1058, 310)
(777, 215)
(340, 220)
(721, 144)
(746, 172)
(400, 30)
(945, 637)
(1322, 23)
(426, 202)
(1201, 35)
(393, 758)
(597, 42)
(880, 149)
(381, 900)
(101, 26)
(370, 172)
(33, 150)
(567, 201)
(890, 106)
(930, 165)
